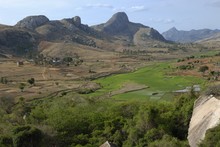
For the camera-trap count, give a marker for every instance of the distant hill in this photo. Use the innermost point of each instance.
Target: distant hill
(188, 36)
(39, 33)
(213, 38)
(119, 25)
(16, 40)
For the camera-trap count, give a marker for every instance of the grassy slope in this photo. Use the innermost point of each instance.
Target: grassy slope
(154, 76)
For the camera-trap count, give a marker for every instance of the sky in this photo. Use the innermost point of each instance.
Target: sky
(158, 14)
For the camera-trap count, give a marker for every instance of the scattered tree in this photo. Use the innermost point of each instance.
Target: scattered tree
(4, 80)
(22, 86)
(203, 68)
(31, 81)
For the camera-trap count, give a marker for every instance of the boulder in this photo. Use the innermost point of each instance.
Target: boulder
(77, 21)
(32, 22)
(206, 115)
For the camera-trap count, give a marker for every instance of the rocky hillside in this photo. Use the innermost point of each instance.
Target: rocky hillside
(206, 115)
(215, 39)
(119, 25)
(16, 40)
(30, 32)
(188, 36)
(60, 30)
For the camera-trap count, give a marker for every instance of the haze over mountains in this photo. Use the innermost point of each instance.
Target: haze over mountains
(188, 36)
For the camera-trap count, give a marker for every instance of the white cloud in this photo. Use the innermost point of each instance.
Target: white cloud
(169, 21)
(164, 21)
(138, 8)
(32, 3)
(119, 9)
(99, 5)
(132, 9)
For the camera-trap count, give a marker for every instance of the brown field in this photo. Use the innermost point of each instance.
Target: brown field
(51, 79)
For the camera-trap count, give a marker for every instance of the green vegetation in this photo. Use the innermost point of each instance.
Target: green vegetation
(186, 67)
(211, 138)
(4, 80)
(88, 118)
(213, 90)
(203, 68)
(155, 76)
(74, 120)
(31, 81)
(22, 86)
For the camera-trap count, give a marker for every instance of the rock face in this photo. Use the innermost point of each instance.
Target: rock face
(17, 41)
(32, 22)
(77, 21)
(119, 25)
(117, 31)
(206, 115)
(145, 35)
(188, 36)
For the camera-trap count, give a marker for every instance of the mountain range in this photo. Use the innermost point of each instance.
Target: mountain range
(38, 33)
(189, 36)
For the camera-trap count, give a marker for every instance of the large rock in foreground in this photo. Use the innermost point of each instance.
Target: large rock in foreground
(206, 115)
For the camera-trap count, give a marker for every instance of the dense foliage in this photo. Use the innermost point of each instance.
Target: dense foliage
(76, 120)
(211, 138)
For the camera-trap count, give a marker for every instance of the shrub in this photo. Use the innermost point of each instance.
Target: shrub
(186, 67)
(6, 141)
(26, 136)
(203, 68)
(31, 81)
(213, 90)
(21, 86)
(211, 138)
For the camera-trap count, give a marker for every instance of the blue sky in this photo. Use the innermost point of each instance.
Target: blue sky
(159, 14)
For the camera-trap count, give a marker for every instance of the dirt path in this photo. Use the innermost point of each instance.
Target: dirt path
(43, 73)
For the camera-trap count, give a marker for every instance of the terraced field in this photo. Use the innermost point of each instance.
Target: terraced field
(154, 82)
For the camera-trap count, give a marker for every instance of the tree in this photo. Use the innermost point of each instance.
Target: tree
(203, 68)
(21, 86)
(4, 80)
(26, 136)
(31, 81)
(68, 59)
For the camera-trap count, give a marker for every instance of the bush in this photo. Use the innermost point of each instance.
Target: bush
(26, 136)
(6, 141)
(186, 67)
(31, 81)
(203, 68)
(213, 90)
(211, 138)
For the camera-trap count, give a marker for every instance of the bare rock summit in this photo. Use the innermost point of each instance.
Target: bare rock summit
(32, 22)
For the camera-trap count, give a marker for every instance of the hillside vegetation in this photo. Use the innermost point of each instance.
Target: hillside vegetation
(75, 120)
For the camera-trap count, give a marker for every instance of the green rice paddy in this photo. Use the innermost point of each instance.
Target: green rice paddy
(155, 76)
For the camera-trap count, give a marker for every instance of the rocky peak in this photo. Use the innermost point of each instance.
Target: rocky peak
(117, 24)
(32, 22)
(156, 35)
(120, 17)
(173, 29)
(77, 21)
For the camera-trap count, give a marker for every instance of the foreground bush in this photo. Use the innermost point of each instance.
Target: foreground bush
(211, 138)
(27, 136)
